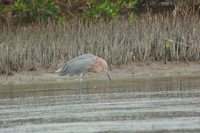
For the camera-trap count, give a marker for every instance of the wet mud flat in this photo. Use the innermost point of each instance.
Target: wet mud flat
(146, 106)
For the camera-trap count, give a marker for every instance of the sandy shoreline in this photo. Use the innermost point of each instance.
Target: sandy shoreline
(130, 71)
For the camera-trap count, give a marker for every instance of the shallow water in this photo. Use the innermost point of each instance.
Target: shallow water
(165, 105)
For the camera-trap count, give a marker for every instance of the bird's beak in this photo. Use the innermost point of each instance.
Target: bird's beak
(108, 76)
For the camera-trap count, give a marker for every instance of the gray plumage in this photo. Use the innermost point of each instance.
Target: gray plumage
(78, 65)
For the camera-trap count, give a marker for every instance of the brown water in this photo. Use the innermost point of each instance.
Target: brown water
(165, 105)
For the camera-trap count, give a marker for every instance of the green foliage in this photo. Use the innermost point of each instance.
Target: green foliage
(59, 10)
(36, 10)
(129, 3)
(61, 20)
(107, 9)
(5, 9)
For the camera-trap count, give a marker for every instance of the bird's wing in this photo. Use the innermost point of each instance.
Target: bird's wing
(78, 64)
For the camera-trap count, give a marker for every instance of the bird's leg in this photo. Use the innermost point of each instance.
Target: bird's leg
(80, 83)
(82, 76)
(108, 75)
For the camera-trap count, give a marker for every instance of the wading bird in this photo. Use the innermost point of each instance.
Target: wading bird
(83, 64)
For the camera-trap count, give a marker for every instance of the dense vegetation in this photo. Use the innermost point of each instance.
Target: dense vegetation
(51, 32)
(19, 11)
(63, 10)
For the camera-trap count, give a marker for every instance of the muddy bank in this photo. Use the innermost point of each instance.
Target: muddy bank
(131, 71)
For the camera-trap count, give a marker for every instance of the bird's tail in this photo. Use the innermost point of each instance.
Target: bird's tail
(60, 72)
(57, 71)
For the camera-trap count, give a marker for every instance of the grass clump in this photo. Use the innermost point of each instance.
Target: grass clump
(119, 42)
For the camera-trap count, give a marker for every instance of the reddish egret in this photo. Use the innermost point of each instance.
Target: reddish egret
(83, 64)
